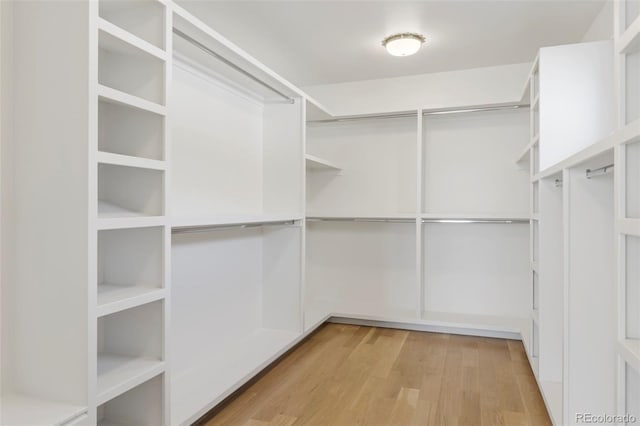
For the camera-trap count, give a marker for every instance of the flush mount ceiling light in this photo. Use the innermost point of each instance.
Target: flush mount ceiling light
(403, 44)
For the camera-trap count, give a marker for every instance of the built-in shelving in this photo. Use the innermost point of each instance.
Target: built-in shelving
(130, 161)
(630, 351)
(316, 163)
(120, 373)
(108, 94)
(114, 38)
(114, 298)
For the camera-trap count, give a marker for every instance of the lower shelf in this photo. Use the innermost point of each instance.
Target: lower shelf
(199, 389)
(117, 374)
(114, 298)
(629, 349)
(17, 409)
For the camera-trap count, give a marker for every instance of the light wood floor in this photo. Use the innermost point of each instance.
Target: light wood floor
(349, 375)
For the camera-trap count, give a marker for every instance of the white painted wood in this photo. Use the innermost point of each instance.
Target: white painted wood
(44, 336)
(281, 278)
(629, 41)
(129, 161)
(551, 274)
(378, 162)
(216, 151)
(125, 67)
(282, 151)
(316, 163)
(108, 94)
(129, 131)
(476, 269)
(140, 46)
(143, 196)
(632, 392)
(200, 387)
(362, 268)
(141, 405)
(570, 119)
(552, 395)
(144, 19)
(591, 267)
(632, 287)
(468, 163)
(23, 410)
(114, 298)
(120, 373)
(630, 351)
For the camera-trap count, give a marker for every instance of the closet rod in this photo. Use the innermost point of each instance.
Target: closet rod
(414, 113)
(360, 219)
(230, 64)
(465, 221)
(221, 227)
(598, 172)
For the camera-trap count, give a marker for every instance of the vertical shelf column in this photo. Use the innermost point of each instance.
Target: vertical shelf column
(130, 269)
(627, 190)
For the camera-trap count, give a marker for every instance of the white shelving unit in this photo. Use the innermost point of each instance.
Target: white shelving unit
(213, 215)
(627, 215)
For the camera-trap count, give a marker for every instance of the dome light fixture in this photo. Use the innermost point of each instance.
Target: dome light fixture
(403, 44)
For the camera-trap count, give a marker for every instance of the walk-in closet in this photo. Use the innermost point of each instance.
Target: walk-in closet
(262, 212)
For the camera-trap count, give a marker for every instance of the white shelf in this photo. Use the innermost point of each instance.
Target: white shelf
(536, 102)
(117, 374)
(317, 163)
(17, 409)
(481, 216)
(114, 298)
(552, 395)
(629, 227)
(580, 157)
(629, 41)
(200, 389)
(361, 216)
(130, 161)
(188, 222)
(629, 349)
(108, 94)
(118, 40)
(629, 133)
(524, 156)
(111, 216)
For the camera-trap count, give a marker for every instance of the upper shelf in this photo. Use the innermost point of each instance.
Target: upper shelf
(317, 163)
(629, 41)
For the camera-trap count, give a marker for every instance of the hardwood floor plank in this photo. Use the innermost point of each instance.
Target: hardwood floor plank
(351, 375)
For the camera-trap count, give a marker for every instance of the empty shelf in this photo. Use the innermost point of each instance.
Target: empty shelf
(114, 298)
(117, 374)
(317, 163)
(114, 38)
(130, 161)
(630, 350)
(20, 409)
(108, 94)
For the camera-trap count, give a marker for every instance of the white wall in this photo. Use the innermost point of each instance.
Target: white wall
(479, 86)
(602, 26)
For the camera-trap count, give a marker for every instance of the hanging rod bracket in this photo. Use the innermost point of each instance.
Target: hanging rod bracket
(589, 173)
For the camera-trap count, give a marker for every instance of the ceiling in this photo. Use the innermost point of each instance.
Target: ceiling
(320, 42)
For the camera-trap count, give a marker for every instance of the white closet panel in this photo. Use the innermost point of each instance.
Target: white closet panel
(476, 269)
(468, 163)
(217, 148)
(365, 269)
(378, 164)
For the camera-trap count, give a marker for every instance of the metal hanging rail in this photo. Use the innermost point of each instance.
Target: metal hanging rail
(231, 64)
(362, 219)
(415, 113)
(465, 221)
(221, 227)
(599, 172)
